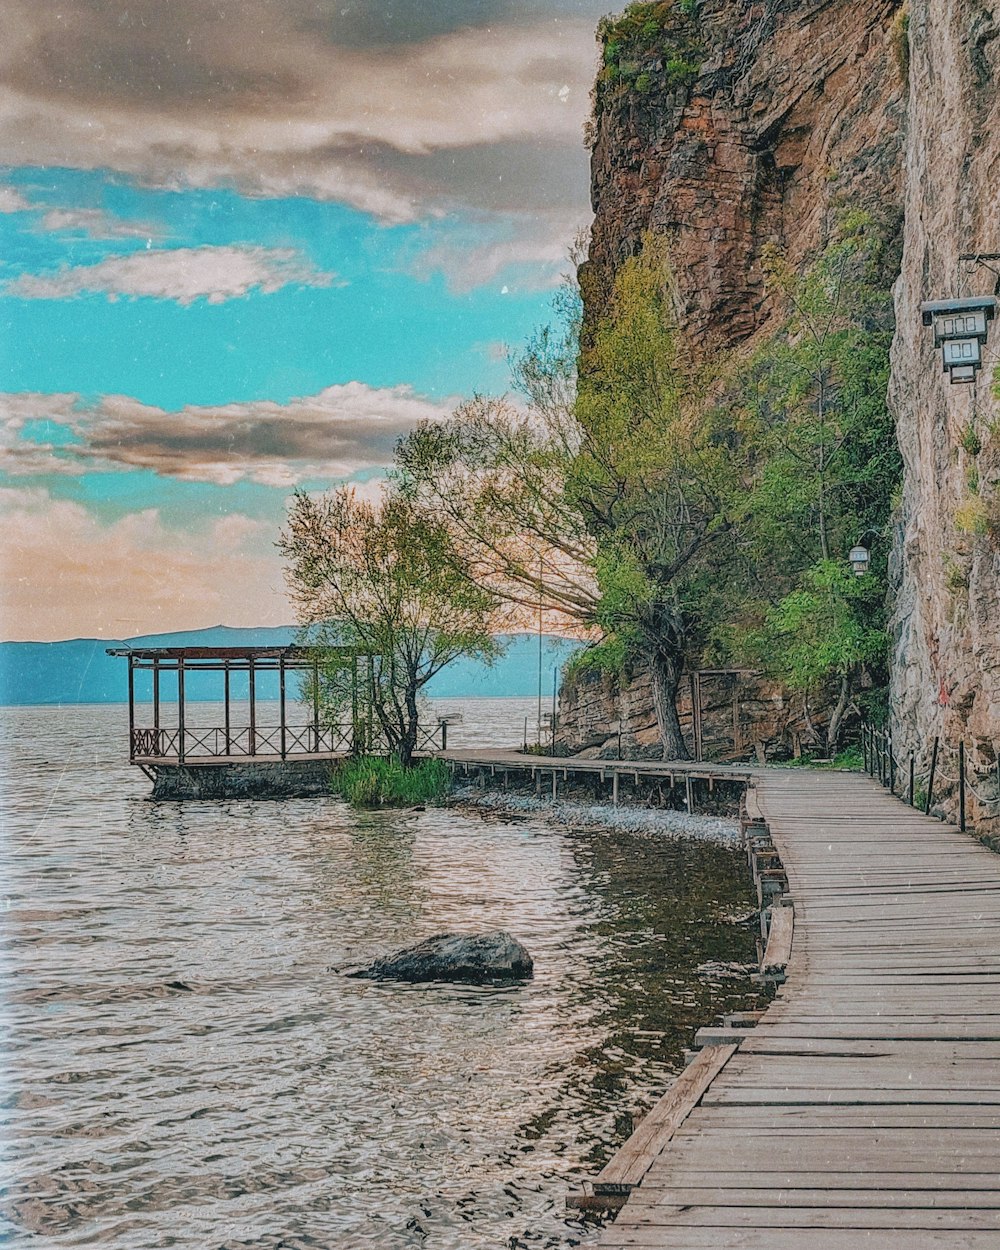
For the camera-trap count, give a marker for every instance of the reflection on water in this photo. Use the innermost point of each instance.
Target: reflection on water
(188, 1068)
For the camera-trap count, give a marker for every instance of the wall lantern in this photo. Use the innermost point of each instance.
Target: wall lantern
(960, 328)
(860, 558)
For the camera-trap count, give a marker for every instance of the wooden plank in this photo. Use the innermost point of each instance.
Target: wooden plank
(633, 1160)
(864, 1108)
(625, 1234)
(779, 941)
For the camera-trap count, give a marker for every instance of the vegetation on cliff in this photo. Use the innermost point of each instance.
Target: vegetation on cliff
(823, 468)
(649, 45)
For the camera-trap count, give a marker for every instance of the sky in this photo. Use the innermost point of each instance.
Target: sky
(247, 244)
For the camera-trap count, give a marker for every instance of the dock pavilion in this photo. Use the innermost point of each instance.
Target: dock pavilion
(234, 721)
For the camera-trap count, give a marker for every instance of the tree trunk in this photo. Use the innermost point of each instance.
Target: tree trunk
(837, 718)
(408, 740)
(666, 671)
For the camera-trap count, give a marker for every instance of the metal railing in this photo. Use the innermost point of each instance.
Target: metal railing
(273, 741)
(917, 788)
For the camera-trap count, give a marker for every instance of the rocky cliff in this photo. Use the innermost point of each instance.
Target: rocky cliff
(946, 675)
(749, 123)
(728, 126)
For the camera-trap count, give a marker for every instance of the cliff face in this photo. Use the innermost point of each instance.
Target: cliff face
(748, 123)
(946, 675)
(784, 111)
(790, 110)
(738, 713)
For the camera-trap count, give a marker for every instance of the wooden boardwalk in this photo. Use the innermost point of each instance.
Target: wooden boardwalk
(864, 1108)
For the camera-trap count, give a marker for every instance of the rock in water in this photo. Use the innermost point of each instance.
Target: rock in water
(477, 958)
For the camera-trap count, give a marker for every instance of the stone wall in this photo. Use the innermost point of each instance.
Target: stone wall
(743, 716)
(289, 779)
(946, 627)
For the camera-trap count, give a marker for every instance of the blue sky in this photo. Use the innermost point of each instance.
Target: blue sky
(238, 260)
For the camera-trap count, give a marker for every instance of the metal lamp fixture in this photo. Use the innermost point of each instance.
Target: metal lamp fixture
(860, 558)
(961, 327)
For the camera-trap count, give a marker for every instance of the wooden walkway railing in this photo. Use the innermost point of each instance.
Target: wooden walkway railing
(864, 1108)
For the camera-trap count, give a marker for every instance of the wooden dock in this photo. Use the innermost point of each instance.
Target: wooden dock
(549, 772)
(863, 1110)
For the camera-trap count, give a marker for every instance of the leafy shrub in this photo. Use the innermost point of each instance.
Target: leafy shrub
(379, 781)
(972, 515)
(651, 44)
(971, 442)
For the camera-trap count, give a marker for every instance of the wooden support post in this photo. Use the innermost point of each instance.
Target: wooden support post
(913, 778)
(930, 783)
(253, 709)
(315, 699)
(892, 764)
(555, 784)
(614, 788)
(180, 711)
(156, 705)
(227, 715)
(537, 774)
(699, 737)
(689, 792)
(961, 785)
(737, 736)
(281, 707)
(131, 709)
(356, 746)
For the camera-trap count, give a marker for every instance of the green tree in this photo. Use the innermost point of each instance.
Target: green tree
(822, 466)
(654, 479)
(388, 581)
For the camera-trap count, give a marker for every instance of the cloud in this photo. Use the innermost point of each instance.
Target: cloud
(12, 201)
(342, 431)
(67, 574)
(96, 224)
(398, 113)
(183, 274)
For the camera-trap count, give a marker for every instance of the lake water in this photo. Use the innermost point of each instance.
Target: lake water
(186, 1066)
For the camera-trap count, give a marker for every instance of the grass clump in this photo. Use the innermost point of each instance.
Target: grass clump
(651, 45)
(380, 781)
(850, 759)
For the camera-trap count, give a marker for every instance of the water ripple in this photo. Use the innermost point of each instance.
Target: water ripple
(189, 1067)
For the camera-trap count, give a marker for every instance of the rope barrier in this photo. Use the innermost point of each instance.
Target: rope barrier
(884, 765)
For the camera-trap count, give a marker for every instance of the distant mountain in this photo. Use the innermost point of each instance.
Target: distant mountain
(80, 671)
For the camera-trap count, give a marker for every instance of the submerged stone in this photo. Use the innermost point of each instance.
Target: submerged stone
(477, 958)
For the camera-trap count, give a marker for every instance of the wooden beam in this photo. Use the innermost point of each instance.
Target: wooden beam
(253, 709)
(180, 711)
(226, 697)
(281, 708)
(131, 708)
(779, 941)
(634, 1159)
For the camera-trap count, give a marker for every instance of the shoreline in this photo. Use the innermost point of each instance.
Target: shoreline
(594, 814)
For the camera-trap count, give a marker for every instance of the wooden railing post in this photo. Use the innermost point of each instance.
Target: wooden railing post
(961, 785)
(892, 765)
(281, 705)
(252, 743)
(225, 700)
(131, 709)
(930, 783)
(180, 711)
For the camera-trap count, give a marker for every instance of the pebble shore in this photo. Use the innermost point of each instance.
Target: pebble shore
(626, 818)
